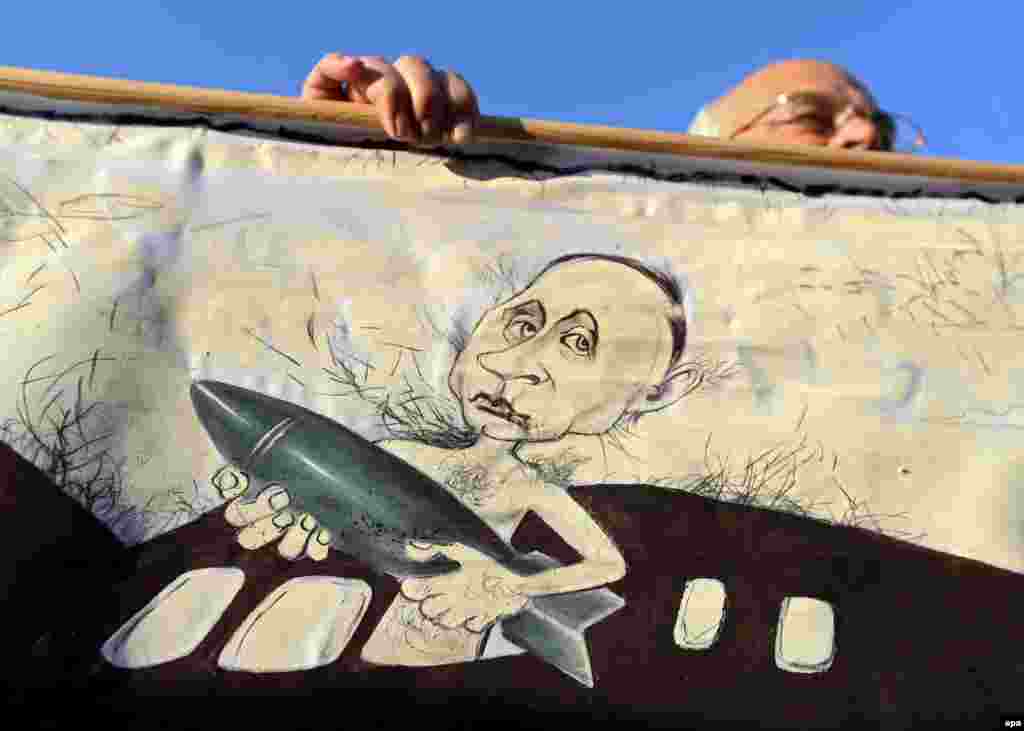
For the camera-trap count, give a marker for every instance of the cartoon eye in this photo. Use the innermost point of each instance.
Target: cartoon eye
(519, 330)
(579, 343)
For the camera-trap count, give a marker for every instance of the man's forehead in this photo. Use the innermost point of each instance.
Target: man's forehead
(803, 75)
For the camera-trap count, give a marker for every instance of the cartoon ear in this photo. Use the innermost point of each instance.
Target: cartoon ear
(653, 398)
(677, 384)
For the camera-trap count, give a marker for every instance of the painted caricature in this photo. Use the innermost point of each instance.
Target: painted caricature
(592, 342)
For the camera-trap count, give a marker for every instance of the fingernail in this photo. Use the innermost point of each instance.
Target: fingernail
(225, 479)
(323, 538)
(279, 499)
(283, 520)
(307, 522)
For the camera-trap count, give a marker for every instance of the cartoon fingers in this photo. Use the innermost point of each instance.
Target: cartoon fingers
(242, 512)
(304, 538)
(268, 517)
(264, 531)
(478, 593)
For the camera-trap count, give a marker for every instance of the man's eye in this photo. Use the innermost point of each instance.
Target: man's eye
(519, 330)
(579, 343)
(813, 122)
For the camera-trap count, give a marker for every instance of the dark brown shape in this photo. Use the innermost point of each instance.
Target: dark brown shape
(921, 635)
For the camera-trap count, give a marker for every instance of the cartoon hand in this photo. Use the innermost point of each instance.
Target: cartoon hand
(267, 517)
(473, 596)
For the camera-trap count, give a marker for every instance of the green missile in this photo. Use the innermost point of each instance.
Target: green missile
(374, 503)
(371, 501)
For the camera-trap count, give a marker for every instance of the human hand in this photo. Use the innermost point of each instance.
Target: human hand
(473, 596)
(267, 517)
(415, 102)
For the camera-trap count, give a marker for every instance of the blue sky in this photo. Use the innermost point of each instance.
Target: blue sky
(649, 65)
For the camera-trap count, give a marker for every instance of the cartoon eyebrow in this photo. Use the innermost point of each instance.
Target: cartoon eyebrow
(588, 320)
(533, 308)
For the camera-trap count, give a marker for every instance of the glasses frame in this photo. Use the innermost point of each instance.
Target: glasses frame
(884, 121)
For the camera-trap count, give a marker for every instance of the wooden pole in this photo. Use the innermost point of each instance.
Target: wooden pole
(99, 90)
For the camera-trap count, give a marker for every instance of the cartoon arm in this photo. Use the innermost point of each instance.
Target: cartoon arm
(601, 563)
(482, 591)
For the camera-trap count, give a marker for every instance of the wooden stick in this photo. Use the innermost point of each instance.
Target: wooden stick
(92, 89)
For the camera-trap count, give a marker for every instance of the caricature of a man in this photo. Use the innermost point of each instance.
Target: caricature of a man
(593, 340)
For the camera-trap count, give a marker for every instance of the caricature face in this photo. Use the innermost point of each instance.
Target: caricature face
(584, 343)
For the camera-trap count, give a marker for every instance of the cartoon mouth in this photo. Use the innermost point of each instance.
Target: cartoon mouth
(501, 408)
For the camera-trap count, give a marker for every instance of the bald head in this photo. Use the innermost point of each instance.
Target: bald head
(758, 91)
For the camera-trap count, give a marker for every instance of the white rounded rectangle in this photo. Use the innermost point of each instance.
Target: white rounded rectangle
(701, 614)
(176, 620)
(805, 637)
(305, 623)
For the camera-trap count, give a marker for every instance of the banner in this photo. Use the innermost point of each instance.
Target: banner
(189, 316)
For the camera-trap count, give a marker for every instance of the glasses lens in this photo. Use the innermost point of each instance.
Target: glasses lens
(815, 115)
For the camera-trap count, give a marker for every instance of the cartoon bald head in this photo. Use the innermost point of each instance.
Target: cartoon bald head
(591, 340)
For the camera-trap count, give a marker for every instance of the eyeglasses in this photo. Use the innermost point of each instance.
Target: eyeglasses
(822, 115)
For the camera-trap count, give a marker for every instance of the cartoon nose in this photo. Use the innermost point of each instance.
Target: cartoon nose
(510, 365)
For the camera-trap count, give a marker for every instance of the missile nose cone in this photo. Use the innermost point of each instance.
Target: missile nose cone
(236, 418)
(203, 393)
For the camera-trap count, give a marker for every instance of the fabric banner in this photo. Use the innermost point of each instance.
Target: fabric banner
(171, 294)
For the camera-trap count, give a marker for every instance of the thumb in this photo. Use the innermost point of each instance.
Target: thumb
(426, 551)
(458, 552)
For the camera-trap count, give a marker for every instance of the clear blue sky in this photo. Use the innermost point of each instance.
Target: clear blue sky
(952, 66)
